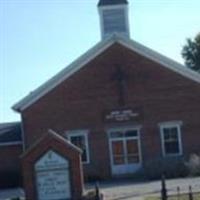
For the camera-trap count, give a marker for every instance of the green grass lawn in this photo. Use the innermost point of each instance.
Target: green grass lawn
(182, 197)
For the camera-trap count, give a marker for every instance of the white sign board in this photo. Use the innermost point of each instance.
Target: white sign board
(121, 115)
(52, 177)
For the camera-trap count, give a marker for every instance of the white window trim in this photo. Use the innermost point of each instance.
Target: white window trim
(172, 124)
(84, 133)
(125, 128)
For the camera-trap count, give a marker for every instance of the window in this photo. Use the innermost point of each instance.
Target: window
(80, 139)
(124, 133)
(171, 138)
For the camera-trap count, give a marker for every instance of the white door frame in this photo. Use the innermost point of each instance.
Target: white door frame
(132, 168)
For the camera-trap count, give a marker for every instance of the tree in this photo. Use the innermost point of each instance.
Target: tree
(191, 53)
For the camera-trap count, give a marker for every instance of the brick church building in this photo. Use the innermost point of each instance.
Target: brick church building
(122, 103)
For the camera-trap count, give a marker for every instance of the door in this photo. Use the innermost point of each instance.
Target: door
(124, 151)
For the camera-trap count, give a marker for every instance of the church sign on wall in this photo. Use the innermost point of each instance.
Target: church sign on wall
(52, 177)
(122, 115)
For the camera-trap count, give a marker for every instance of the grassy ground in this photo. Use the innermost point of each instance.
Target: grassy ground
(182, 197)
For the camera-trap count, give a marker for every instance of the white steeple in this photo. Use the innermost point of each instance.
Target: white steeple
(113, 17)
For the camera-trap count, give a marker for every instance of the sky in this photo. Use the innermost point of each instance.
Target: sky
(38, 38)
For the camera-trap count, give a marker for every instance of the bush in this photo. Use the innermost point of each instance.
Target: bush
(194, 165)
(173, 167)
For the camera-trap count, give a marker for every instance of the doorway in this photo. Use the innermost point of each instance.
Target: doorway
(125, 151)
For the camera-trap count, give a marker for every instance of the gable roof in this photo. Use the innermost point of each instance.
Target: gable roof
(10, 133)
(51, 134)
(94, 52)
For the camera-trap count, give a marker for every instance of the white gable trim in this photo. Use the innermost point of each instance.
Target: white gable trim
(161, 59)
(94, 52)
(62, 75)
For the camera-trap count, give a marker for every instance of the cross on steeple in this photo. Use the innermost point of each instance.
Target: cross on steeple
(121, 78)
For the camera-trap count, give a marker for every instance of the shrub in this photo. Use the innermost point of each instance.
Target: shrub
(194, 165)
(172, 168)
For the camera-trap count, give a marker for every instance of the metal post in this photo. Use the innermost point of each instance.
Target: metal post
(97, 195)
(163, 189)
(190, 193)
(178, 193)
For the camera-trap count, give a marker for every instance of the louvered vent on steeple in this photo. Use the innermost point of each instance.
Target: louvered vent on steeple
(113, 17)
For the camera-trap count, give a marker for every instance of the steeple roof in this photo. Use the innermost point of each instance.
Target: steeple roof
(111, 2)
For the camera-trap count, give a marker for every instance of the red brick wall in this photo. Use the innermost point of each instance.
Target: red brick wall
(80, 101)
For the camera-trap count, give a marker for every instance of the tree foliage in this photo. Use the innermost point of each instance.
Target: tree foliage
(191, 53)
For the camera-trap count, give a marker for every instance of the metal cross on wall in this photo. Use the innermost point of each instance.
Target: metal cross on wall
(121, 79)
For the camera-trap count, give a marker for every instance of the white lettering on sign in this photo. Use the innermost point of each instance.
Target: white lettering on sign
(52, 177)
(121, 115)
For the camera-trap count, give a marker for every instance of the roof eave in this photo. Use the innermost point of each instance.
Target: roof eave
(91, 54)
(68, 70)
